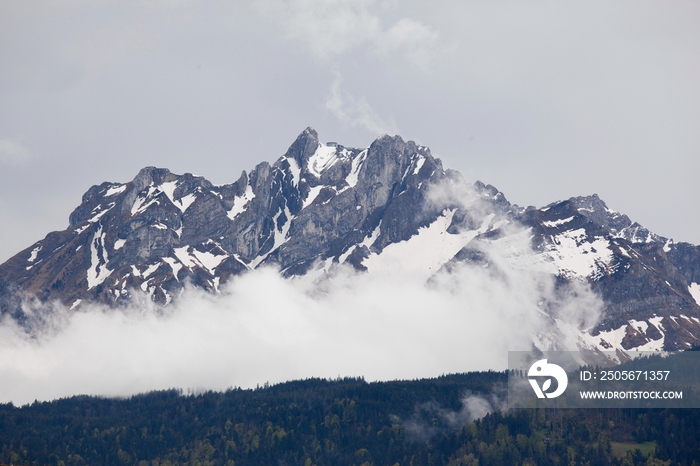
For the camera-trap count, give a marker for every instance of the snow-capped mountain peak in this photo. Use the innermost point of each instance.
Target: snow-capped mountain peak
(385, 206)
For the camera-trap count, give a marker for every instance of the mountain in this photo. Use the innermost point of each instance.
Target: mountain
(321, 205)
(649, 284)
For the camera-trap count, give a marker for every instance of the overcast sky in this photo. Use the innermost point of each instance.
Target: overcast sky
(543, 99)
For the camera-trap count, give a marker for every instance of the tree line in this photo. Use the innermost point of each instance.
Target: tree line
(340, 422)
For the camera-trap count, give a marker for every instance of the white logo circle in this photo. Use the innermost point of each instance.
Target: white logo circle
(543, 369)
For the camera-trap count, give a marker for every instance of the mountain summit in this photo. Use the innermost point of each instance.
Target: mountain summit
(320, 205)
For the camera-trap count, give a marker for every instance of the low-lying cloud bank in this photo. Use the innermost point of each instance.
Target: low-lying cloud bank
(265, 328)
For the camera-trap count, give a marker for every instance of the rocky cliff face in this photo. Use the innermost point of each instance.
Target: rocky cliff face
(325, 204)
(317, 203)
(649, 284)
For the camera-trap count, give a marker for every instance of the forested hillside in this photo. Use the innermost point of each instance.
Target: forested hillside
(340, 422)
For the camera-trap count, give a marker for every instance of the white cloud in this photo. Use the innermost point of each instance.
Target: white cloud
(332, 27)
(351, 111)
(327, 27)
(421, 425)
(414, 39)
(12, 152)
(263, 328)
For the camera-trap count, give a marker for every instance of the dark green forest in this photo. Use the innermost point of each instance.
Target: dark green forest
(341, 422)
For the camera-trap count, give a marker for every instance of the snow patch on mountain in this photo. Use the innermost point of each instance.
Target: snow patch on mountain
(424, 253)
(325, 157)
(694, 289)
(555, 223)
(636, 233)
(282, 230)
(150, 269)
(311, 197)
(174, 265)
(344, 256)
(295, 170)
(419, 164)
(143, 201)
(240, 202)
(575, 257)
(183, 203)
(280, 235)
(183, 255)
(570, 254)
(612, 340)
(115, 190)
(352, 177)
(208, 260)
(80, 230)
(98, 271)
(369, 240)
(100, 212)
(33, 254)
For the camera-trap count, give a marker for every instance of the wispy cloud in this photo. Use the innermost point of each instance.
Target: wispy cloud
(429, 418)
(327, 28)
(416, 41)
(332, 27)
(332, 30)
(12, 152)
(352, 111)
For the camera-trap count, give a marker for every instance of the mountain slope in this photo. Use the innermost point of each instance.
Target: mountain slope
(316, 203)
(389, 205)
(648, 283)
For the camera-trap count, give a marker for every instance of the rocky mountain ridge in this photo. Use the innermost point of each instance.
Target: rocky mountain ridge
(325, 204)
(648, 283)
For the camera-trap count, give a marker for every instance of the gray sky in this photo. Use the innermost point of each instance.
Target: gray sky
(543, 99)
